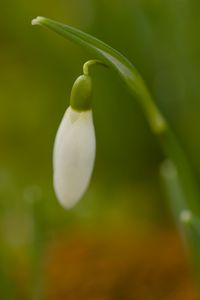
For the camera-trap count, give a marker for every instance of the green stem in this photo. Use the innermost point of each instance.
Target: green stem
(174, 151)
(172, 186)
(90, 63)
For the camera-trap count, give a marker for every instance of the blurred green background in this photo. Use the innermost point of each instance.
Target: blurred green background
(38, 68)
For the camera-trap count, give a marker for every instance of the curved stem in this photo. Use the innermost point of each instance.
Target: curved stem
(90, 63)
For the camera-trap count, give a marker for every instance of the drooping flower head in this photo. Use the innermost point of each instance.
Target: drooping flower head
(74, 148)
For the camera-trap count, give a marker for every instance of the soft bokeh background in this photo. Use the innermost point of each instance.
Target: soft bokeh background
(119, 242)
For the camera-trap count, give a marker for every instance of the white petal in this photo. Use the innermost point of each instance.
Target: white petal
(73, 157)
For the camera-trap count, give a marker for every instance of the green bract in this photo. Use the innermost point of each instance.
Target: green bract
(81, 94)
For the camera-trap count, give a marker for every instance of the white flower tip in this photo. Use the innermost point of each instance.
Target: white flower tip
(186, 216)
(37, 20)
(67, 202)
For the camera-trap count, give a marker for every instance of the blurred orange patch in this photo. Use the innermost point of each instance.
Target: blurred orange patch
(118, 266)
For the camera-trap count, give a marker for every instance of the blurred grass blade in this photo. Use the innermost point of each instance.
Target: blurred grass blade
(191, 227)
(113, 59)
(180, 196)
(173, 188)
(178, 174)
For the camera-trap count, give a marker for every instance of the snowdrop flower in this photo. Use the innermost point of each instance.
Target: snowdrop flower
(74, 148)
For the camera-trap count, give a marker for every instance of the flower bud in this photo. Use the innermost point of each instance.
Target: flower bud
(74, 148)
